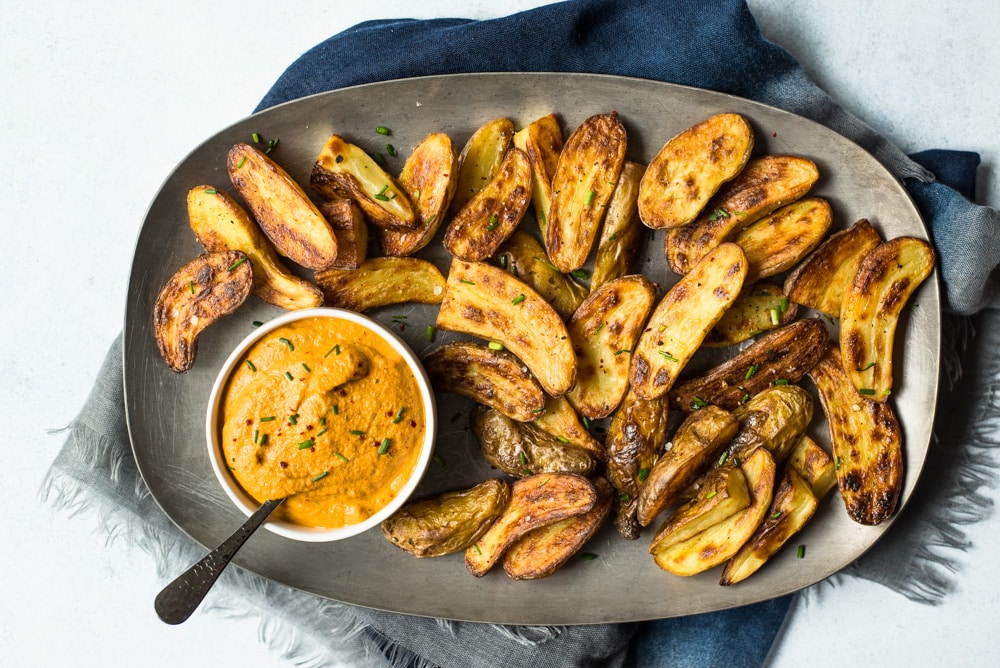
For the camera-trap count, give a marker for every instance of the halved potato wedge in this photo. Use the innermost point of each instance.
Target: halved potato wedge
(480, 159)
(351, 230)
(535, 501)
(495, 378)
(867, 443)
(346, 170)
(621, 234)
(382, 281)
(603, 331)
(869, 313)
(586, 174)
(541, 552)
(683, 318)
(760, 308)
(491, 215)
(490, 303)
(524, 257)
(561, 421)
(691, 167)
(814, 465)
(780, 239)
(429, 177)
(772, 419)
(784, 355)
(820, 280)
(199, 293)
(542, 141)
(221, 224)
(723, 492)
(765, 184)
(282, 209)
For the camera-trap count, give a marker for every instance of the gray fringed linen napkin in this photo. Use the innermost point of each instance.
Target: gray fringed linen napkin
(680, 42)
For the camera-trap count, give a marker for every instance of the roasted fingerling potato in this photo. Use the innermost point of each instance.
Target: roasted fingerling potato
(585, 178)
(691, 167)
(351, 230)
(480, 159)
(760, 308)
(869, 315)
(773, 419)
(779, 240)
(205, 289)
(561, 420)
(282, 209)
(814, 465)
(382, 281)
(221, 224)
(622, 232)
(542, 142)
(448, 522)
(524, 257)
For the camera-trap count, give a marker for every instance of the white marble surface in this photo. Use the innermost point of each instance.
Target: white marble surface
(100, 100)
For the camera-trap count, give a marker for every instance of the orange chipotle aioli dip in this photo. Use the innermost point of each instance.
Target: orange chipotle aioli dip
(326, 413)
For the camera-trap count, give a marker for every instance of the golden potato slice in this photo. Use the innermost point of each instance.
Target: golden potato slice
(535, 501)
(491, 215)
(820, 280)
(480, 159)
(603, 331)
(869, 313)
(521, 449)
(867, 443)
(781, 356)
(765, 184)
(585, 177)
(345, 170)
(695, 446)
(722, 540)
(760, 308)
(791, 509)
(490, 303)
(691, 167)
(492, 377)
(449, 522)
(382, 281)
(199, 293)
(780, 239)
(523, 256)
(221, 224)
(351, 230)
(429, 177)
(683, 318)
(636, 436)
(541, 552)
(622, 232)
(772, 419)
(722, 493)
(814, 465)
(282, 209)
(561, 421)
(542, 141)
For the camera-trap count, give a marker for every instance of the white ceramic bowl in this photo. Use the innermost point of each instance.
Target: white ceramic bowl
(244, 502)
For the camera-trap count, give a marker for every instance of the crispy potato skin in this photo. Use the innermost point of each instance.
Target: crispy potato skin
(221, 224)
(542, 142)
(208, 287)
(867, 443)
(781, 239)
(722, 492)
(694, 447)
(541, 552)
(480, 159)
(282, 209)
(490, 303)
(813, 465)
(351, 230)
(773, 419)
(683, 318)
(522, 255)
(869, 314)
(691, 167)
(586, 174)
(382, 281)
(820, 280)
(535, 501)
(429, 177)
(765, 184)
(492, 377)
(561, 420)
(786, 353)
(603, 330)
(760, 308)
(492, 214)
(621, 234)
(449, 522)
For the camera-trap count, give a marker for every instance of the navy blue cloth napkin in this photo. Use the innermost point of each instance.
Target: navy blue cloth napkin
(713, 44)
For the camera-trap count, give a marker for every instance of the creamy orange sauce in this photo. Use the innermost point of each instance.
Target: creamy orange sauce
(323, 412)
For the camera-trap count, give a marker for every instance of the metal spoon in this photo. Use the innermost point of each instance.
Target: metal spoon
(183, 596)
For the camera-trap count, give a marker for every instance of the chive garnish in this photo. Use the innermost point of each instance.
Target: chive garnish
(242, 160)
(321, 432)
(781, 381)
(390, 149)
(251, 366)
(462, 280)
(294, 418)
(495, 345)
(867, 391)
(191, 285)
(430, 332)
(326, 473)
(710, 494)
(341, 457)
(306, 367)
(668, 356)
(623, 350)
(269, 418)
(801, 552)
(256, 138)
(382, 449)
(562, 439)
(589, 198)
(357, 432)
(263, 440)
(399, 416)
(775, 318)
(751, 371)
(289, 376)
(291, 346)
(256, 435)
(493, 223)
(579, 274)
(270, 146)
(211, 191)
(256, 323)
(430, 220)
(518, 299)
(305, 444)
(382, 130)
(643, 474)
(588, 556)
(336, 409)
(335, 349)
(867, 366)
(236, 264)
(698, 403)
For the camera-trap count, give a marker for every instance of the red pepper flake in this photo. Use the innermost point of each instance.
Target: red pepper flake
(283, 465)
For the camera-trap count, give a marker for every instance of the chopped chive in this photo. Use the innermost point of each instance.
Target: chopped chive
(837, 467)
(211, 191)
(321, 432)
(462, 280)
(399, 317)
(326, 473)
(291, 346)
(335, 349)
(357, 432)
(341, 457)
(493, 223)
(270, 146)
(625, 498)
(430, 332)
(242, 160)
(495, 345)
(599, 328)
(775, 318)
(263, 440)
(289, 376)
(430, 220)
(538, 411)
(377, 157)
(579, 274)
(867, 391)
(588, 556)
(623, 350)
(399, 416)
(751, 371)
(518, 299)
(867, 366)
(543, 482)
(562, 439)
(722, 459)
(476, 545)
(523, 457)
(306, 367)
(719, 213)
(668, 356)
(380, 195)
(382, 449)
(586, 422)
(390, 149)
(745, 398)
(191, 285)
(801, 552)
(256, 435)
(294, 418)
(269, 418)
(589, 198)
(643, 474)
(710, 494)
(305, 444)
(336, 409)
(698, 403)
(776, 514)
(614, 235)
(256, 138)
(503, 262)
(251, 366)
(781, 381)
(256, 323)
(236, 264)
(382, 130)
(783, 304)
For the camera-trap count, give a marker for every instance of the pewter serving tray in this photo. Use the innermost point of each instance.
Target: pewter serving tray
(166, 411)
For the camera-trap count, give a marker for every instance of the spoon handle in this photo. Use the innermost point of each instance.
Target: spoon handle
(180, 598)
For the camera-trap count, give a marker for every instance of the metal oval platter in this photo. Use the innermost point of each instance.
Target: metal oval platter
(165, 411)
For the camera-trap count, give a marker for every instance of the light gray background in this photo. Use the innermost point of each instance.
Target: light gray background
(100, 100)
